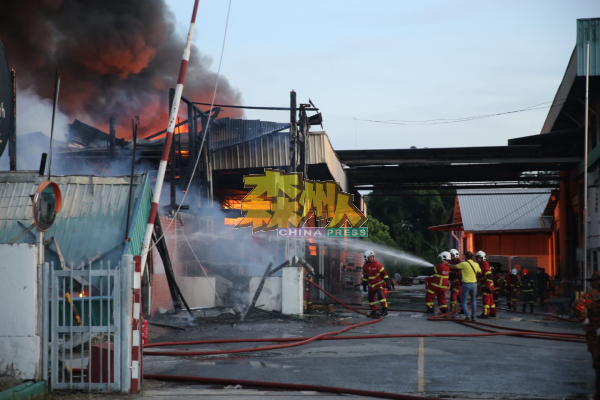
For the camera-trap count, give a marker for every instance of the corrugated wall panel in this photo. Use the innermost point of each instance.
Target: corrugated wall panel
(92, 219)
(139, 220)
(588, 30)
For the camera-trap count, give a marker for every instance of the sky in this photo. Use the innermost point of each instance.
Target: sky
(400, 61)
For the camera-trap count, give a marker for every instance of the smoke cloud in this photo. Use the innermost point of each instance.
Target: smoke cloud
(115, 57)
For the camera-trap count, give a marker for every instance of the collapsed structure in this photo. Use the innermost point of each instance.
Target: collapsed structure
(213, 260)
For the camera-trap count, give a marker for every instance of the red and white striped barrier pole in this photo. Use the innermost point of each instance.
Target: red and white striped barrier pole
(160, 177)
(136, 346)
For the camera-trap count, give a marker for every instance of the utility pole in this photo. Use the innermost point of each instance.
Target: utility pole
(585, 169)
(293, 133)
(304, 126)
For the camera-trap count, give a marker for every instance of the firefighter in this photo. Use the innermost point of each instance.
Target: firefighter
(455, 289)
(587, 310)
(511, 285)
(309, 275)
(497, 285)
(487, 286)
(455, 260)
(542, 279)
(527, 286)
(455, 257)
(375, 279)
(439, 284)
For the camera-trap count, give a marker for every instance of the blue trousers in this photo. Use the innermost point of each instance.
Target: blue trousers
(469, 290)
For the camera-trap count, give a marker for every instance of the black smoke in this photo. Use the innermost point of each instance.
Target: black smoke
(116, 58)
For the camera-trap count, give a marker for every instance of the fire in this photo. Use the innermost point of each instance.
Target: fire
(232, 221)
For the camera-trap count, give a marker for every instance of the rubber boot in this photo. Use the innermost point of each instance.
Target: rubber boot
(374, 314)
(430, 310)
(524, 307)
(384, 312)
(531, 308)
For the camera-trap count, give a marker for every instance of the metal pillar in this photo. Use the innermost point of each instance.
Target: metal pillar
(12, 136)
(113, 135)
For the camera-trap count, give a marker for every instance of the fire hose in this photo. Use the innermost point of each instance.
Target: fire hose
(293, 342)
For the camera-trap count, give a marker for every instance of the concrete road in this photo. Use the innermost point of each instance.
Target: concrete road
(490, 367)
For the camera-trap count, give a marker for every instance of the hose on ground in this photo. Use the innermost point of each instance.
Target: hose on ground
(289, 386)
(293, 342)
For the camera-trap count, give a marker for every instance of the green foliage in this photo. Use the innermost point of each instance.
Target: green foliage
(379, 232)
(408, 216)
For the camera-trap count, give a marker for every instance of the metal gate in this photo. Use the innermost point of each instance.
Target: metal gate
(86, 327)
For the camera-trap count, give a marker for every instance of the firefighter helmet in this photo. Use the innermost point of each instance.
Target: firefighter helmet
(454, 253)
(513, 271)
(525, 272)
(444, 256)
(481, 254)
(368, 254)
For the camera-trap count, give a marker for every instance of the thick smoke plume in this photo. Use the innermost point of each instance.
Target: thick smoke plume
(116, 58)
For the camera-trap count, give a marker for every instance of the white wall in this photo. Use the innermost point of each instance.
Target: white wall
(270, 296)
(20, 342)
(198, 291)
(293, 291)
(284, 294)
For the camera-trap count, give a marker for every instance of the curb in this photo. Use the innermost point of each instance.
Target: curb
(25, 391)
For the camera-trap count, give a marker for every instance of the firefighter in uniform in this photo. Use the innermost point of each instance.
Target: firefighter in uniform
(527, 286)
(375, 279)
(454, 257)
(487, 286)
(497, 285)
(455, 289)
(309, 275)
(455, 260)
(542, 279)
(439, 284)
(511, 285)
(587, 310)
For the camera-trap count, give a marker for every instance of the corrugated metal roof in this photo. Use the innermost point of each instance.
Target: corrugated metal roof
(273, 150)
(86, 136)
(504, 209)
(588, 30)
(235, 131)
(91, 221)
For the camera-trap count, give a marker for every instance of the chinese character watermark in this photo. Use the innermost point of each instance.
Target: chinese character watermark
(282, 200)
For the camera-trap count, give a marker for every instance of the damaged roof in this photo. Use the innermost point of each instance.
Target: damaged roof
(91, 222)
(82, 136)
(504, 209)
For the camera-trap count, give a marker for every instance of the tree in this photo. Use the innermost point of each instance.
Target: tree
(379, 232)
(409, 214)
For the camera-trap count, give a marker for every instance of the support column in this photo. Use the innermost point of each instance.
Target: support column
(12, 136)
(563, 237)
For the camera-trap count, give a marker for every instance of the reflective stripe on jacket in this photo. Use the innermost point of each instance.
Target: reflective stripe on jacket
(440, 276)
(374, 274)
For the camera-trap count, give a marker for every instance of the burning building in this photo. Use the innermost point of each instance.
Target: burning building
(203, 247)
(114, 68)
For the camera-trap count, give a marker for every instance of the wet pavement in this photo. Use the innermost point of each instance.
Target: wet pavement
(492, 367)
